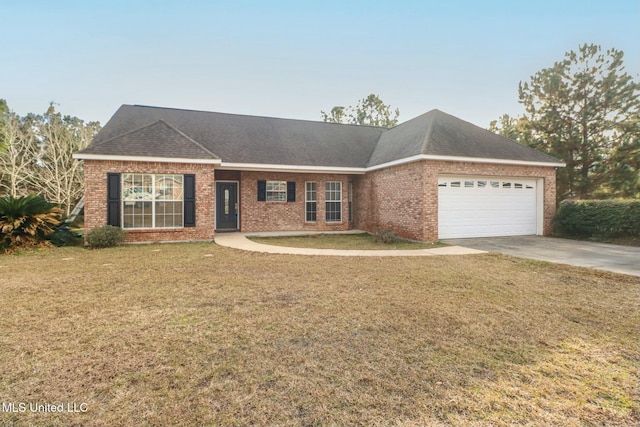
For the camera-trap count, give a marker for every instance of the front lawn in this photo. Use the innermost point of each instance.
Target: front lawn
(197, 334)
(362, 241)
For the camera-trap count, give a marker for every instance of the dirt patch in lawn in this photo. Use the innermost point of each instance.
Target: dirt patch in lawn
(197, 334)
(361, 241)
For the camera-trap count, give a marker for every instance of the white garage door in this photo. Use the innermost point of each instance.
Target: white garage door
(486, 206)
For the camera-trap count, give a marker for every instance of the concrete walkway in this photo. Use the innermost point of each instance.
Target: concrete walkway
(240, 241)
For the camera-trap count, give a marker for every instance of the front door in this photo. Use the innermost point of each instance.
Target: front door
(226, 205)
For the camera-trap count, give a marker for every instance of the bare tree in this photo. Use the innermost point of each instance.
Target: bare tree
(59, 176)
(18, 156)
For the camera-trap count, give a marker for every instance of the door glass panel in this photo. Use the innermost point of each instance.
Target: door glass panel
(226, 202)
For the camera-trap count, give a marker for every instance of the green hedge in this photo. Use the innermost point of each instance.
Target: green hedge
(106, 236)
(598, 218)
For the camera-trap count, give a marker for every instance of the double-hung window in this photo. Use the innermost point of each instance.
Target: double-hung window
(276, 191)
(310, 201)
(333, 201)
(152, 201)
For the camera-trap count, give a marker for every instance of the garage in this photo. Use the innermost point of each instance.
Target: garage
(486, 206)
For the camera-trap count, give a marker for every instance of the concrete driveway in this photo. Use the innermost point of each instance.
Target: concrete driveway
(602, 256)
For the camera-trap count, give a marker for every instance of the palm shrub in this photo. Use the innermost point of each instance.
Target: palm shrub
(26, 221)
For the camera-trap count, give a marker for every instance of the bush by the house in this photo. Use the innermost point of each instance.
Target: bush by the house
(385, 235)
(598, 218)
(25, 222)
(105, 236)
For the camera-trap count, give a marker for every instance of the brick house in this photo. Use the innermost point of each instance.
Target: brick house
(167, 174)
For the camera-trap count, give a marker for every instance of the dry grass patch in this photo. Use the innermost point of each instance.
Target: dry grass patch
(196, 334)
(361, 241)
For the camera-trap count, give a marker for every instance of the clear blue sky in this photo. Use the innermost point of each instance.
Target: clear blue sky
(294, 58)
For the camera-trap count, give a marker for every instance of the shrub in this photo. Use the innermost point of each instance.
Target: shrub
(385, 235)
(598, 218)
(105, 236)
(26, 221)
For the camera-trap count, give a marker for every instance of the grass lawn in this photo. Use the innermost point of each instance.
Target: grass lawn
(197, 334)
(362, 241)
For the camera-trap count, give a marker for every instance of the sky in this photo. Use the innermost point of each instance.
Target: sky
(292, 59)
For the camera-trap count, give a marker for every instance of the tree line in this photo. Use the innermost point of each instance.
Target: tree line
(36, 155)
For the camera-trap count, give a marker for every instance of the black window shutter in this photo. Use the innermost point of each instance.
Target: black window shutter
(291, 191)
(262, 191)
(190, 200)
(113, 199)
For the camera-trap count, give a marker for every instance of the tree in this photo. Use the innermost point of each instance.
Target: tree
(59, 175)
(37, 157)
(581, 110)
(4, 111)
(18, 156)
(370, 111)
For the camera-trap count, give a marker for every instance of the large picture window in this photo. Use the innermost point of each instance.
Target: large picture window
(333, 201)
(152, 201)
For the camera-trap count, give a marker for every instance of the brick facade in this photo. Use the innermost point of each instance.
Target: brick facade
(392, 198)
(95, 201)
(403, 198)
(289, 216)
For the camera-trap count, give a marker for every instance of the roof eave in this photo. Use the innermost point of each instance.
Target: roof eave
(87, 156)
(419, 157)
(291, 168)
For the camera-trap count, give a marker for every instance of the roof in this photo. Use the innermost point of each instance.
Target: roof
(158, 138)
(440, 134)
(137, 132)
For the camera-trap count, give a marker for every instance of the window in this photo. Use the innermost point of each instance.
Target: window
(468, 184)
(310, 202)
(333, 201)
(152, 201)
(506, 184)
(276, 191)
(495, 184)
(517, 185)
(455, 184)
(350, 196)
(482, 184)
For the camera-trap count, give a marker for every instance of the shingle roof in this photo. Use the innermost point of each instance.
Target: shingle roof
(251, 139)
(158, 139)
(440, 134)
(165, 132)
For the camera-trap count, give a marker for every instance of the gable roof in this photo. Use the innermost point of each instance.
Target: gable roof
(158, 139)
(241, 141)
(440, 134)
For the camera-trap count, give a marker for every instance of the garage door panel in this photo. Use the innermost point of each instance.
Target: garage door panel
(483, 207)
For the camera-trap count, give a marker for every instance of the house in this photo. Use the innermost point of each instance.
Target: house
(168, 174)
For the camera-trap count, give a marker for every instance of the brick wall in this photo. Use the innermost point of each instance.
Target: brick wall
(95, 190)
(392, 198)
(288, 216)
(405, 197)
